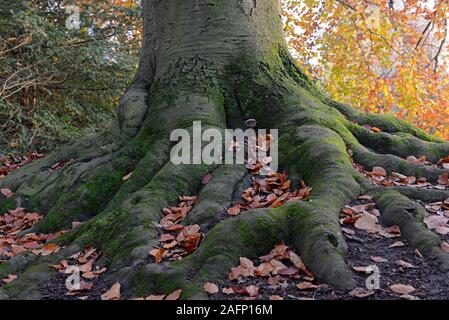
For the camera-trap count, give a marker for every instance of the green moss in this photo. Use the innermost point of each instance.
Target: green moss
(88, 198)
(8, 204)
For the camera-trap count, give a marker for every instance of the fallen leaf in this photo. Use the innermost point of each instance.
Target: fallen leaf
(157, 254)
(10, 278)
(378, 171)
(113, 293)
(206, 179)
(361, 293)
(418, 253)
(252, 290)
(409, 297)
(227, 291)
(275, 297)
(83, 286)
(126, 178)
(348, 231)
(397, 244)
(246, 263)
(363, 269)
(445, 246)
(210, 287)
(234, 210)
(443, 179)
(155, 297)
(404, 264)
(368, 222)
(6, 192)
(174, 295)
(166, 237)
(306, 285)
(379, 259)
(297, 261)
(402, 288)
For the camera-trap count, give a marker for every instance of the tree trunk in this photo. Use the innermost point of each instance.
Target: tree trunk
(218, 62)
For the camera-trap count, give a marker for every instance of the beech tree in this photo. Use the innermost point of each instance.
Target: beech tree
(221, 63)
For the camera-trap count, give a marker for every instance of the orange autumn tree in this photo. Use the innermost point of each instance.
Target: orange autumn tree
(381, 56)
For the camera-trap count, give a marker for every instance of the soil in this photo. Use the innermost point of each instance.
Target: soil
(430, 283)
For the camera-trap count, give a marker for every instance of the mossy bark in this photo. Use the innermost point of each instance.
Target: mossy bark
(218, 62)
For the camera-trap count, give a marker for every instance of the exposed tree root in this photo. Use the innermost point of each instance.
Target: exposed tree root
(315, 136)
(408, 215)
(424, 195)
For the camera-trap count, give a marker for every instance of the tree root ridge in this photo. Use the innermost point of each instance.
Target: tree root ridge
(315, 137)
(408, 215)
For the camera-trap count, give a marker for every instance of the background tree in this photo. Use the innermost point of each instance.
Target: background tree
(57, 83)
(400, 47)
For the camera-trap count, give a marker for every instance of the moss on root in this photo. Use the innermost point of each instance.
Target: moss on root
(408, 215)
(88, 198)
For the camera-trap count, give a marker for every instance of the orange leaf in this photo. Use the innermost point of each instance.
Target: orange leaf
(113, 293)
(174, 295)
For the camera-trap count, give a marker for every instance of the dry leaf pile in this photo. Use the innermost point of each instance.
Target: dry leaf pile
(9, 164)
(268, 192)
(365, 217)
(276, 269)
(11, 244)
(84, 263)
(378, 175)
(176, 240)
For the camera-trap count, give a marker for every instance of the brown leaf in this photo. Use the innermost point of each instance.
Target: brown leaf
(252, 290)
(409, 297)
(174, 227)
(443, 179)
(379, 259)
(445, 246)
(6, 192)
(83, 286)
(155, 297)
(378, 171)
(361, 293)
(10, 278)
(191, 242)
(306, 285)
(210, 287)
(297, 261)
(246, 263)
(290, 271)
(188, 198)
(113, 293)
(404, 264)
(275, 297)
(227, 291)
(126, 178)
(368, 222)
(234, 210)
(206, 179)
(236, 272)
(362, 269)
(402, 288)
(174, 295)
(51, 246)
(157, 254)
(166, 237)
(87, 266)
(397, 244)
(264, 269)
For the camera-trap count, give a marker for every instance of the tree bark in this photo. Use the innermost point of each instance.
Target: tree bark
(218, 62)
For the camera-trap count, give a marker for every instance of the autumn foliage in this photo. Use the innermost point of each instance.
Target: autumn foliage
(380, 56)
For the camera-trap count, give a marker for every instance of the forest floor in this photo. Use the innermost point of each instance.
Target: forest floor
(374, 249)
